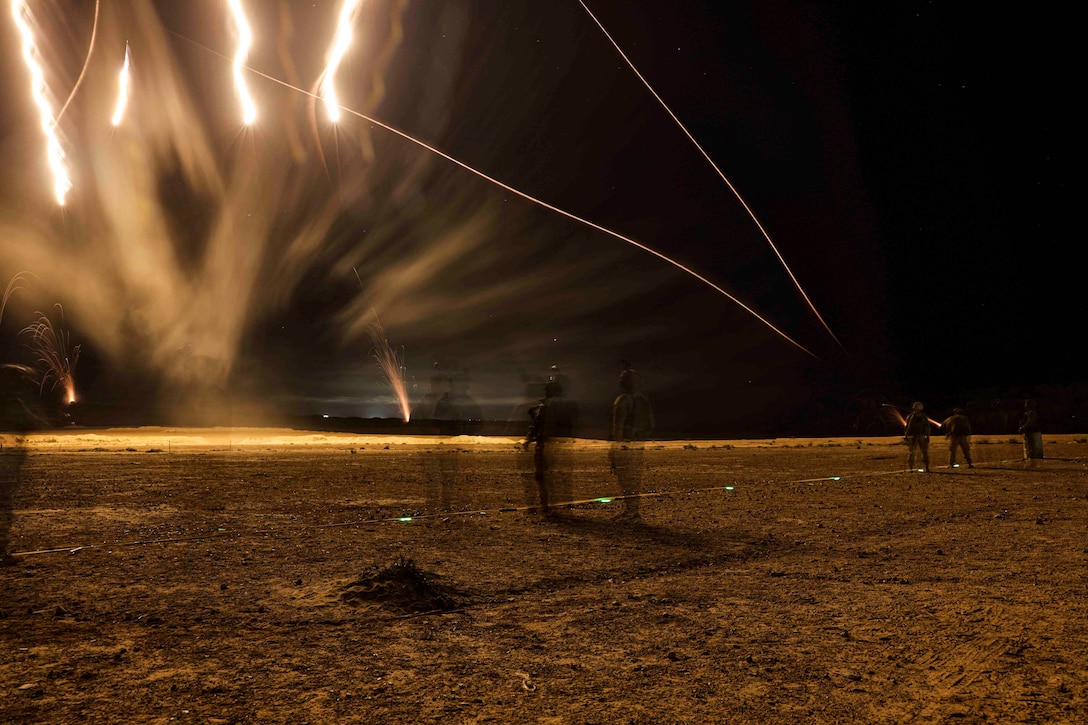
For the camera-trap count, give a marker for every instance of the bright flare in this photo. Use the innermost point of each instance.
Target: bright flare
(122, 97)
(39, 90)
(245, 41)
(336, 54)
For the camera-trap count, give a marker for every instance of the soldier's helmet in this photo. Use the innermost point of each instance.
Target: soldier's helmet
(627, 381)
(917, 407)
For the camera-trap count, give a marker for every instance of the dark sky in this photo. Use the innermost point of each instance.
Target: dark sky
(909, 160)
(933, 141)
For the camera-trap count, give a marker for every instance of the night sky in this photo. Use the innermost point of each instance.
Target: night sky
(911, 161)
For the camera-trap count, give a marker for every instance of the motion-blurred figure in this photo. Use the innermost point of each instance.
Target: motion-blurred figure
(456, 413)
(917, 435)
(439, 385)
(20, 411)
(552, 427)
(957, 429)
(632, 425)
(1032, 430)
(439, 466)
(532, 395)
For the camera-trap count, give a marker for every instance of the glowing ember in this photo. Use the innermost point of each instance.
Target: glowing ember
(122, 97)
(39, 91)
(245, 41)
(336, 54)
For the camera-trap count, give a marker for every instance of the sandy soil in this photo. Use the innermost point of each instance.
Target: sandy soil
(228, 576)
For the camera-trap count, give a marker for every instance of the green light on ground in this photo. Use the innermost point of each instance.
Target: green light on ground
(603, 500)
(405, 519)
(728, 488)
(834, 478)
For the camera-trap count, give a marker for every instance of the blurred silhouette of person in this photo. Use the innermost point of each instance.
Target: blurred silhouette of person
(532, 392)
(957, 429)
(533, 395)
(552, 428)
(437, 464)
(439, 385)
(456, 413)
(1032, 430)
(916, 432)
(632, 425)
(20, 411)
(999, 419)
(868, 415)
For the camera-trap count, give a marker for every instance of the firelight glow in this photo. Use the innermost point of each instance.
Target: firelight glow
(245, 41)
(336, 54)
(122, 96)
(39, 90)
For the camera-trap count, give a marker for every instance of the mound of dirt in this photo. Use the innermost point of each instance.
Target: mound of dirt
(402, 587)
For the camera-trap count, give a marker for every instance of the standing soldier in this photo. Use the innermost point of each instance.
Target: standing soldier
(957, 429)
(917, 435)
(1032, 431)
(552, 428)
(632, 424)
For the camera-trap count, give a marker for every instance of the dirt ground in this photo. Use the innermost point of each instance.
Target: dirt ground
(231, 576)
